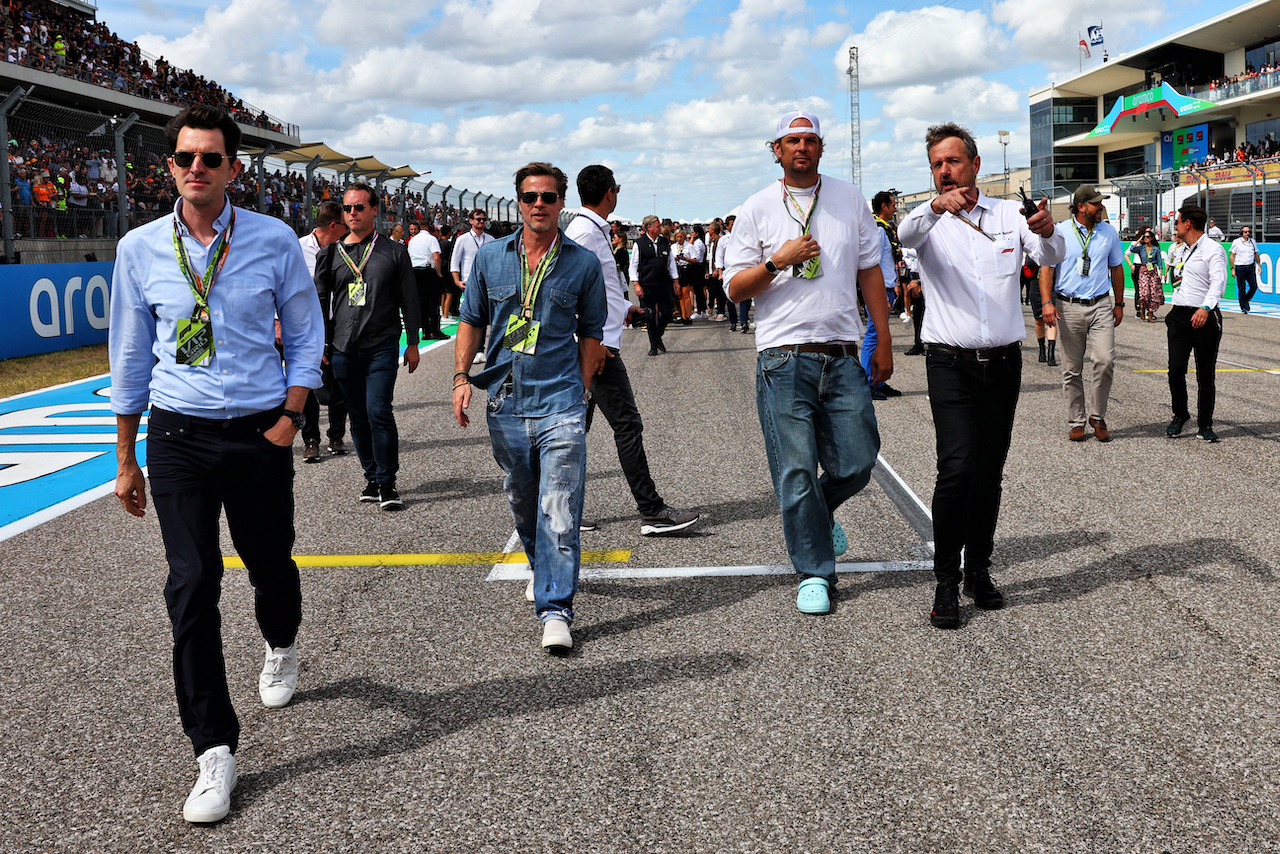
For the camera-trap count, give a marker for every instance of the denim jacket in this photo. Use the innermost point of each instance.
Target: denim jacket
(571, 301)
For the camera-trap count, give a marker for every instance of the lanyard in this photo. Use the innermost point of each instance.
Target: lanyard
(531, 282)
(1084, 244)
(201, 285)
(808, 215)
(358, 270)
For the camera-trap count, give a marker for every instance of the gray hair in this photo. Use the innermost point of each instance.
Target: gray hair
(644, 223)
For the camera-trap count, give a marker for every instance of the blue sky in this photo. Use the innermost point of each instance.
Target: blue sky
(676, 97)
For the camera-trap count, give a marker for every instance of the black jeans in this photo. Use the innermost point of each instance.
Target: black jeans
(429, 293)
(1183, 339)
(337, 419)
(973, 407)
(197, 468)
(1246, 284)
(611, 391)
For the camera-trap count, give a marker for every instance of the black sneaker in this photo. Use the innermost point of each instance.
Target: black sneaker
(946, 606)
(1207, 434)
(877, 394)
(370, 493)
(1175, 426)
(666, 521)
(889, 391)
(916, 350)
(388, 498)
(979, 587)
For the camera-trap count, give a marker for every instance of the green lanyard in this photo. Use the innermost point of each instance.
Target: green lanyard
(202, 285)
(811, 266)
(531, 282)
(357, 270)
(1084, 244)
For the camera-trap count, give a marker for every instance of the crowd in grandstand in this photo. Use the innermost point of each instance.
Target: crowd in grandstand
(50, 37)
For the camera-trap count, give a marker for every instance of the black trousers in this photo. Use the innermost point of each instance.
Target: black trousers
(660, 300)
(198, 468)
(611, 392)
(1183, 340)
(337, 418)
(917, 314)
(973, 407)
(429, 293)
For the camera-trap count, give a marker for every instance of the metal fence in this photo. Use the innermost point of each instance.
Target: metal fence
(63, 196)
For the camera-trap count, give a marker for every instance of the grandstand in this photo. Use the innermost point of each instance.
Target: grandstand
(81, 107)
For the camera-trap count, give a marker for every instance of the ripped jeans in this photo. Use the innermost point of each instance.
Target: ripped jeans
(545, 460)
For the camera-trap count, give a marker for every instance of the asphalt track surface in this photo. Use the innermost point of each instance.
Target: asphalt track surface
(1125, 700)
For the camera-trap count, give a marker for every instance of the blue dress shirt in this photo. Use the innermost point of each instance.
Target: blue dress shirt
(265, 276)
(571, 300)
(1105, 252)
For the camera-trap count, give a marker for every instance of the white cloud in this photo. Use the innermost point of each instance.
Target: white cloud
(1051, 32)
(923, 46)
(981, 100)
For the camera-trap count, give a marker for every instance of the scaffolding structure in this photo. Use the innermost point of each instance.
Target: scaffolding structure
(855, 121)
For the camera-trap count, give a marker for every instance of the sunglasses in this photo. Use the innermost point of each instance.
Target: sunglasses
(548, 197)
(210, 159)
(356, 208)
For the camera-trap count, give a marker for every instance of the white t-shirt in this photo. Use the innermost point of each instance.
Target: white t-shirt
(588, 230)
(792, 309)
(422, 246)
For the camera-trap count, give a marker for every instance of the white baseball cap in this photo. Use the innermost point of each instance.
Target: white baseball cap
(784, 124)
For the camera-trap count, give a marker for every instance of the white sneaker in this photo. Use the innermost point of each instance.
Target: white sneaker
(210, 799)
(904, 317)
(555, 635)
(279, 677)
(478, 358)
(528, 590)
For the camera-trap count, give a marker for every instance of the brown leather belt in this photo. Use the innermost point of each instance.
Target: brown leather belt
(834, 348)
(982, 354)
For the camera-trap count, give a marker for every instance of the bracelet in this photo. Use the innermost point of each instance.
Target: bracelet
(457, 374)
(465, 381)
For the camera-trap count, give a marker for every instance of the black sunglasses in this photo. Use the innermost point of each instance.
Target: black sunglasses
(356, 208)
(548, 197)
(211, 159)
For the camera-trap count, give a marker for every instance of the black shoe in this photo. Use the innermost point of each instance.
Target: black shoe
(946, 606)
(1053, 361)
(687, 322)
(889, 391)
(979, 587)
(437, 335)
(653, 351)
(370, 493)
(733, 327)
(666, 521)
(388, 498)
(746, 327)
(1207, 434)
(1175, 426)
(877, 394)
(662, 348)
(916, 350)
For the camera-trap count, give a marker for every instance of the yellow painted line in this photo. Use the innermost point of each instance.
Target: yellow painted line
(440, 559)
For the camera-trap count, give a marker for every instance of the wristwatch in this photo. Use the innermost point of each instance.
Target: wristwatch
(299, 420)
(1120, 304)
(770, 266)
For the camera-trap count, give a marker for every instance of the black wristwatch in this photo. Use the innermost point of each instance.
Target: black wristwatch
(1120, 304)
(299, 420)
(770, 266)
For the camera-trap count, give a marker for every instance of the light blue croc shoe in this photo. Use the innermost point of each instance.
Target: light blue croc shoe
(813, 597)
(838, 539)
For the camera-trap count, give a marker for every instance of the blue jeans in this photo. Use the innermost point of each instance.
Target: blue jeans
(368, 381)
(869, 339)
(815, 410)
(545, 460)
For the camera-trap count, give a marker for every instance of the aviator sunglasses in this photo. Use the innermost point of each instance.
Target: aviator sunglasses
(356, 208)
(211, 159)
(548, 197)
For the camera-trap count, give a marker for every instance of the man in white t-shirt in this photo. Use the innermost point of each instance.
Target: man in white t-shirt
(465, 248)
(802, 248)
(424, 254)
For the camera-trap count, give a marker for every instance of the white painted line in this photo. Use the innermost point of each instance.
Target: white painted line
(1250, 367)
(908, 503)
(519, 572)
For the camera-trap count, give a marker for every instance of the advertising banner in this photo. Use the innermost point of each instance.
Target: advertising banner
(49, 307)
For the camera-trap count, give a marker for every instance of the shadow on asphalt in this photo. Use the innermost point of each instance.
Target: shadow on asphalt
(438, 714)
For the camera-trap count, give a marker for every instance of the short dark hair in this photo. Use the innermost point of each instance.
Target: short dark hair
(328, 213)
(538, 168)
(475, 212)
(938, 133)
(1195, 215)
(594, 182)
(203, 117)
(880, 199)
(365, 188)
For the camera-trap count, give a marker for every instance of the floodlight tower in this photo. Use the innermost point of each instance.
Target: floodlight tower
(855, 122)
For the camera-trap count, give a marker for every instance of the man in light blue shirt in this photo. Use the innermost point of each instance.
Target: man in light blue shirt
(1087, 292)
(193, 306)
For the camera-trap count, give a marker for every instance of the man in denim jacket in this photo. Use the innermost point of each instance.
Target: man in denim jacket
(532, 292)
